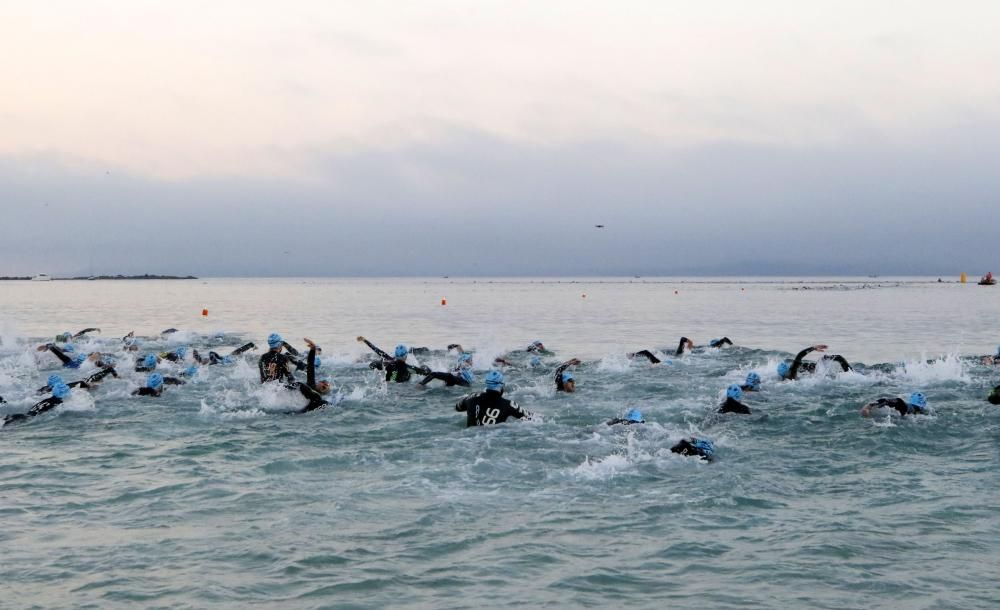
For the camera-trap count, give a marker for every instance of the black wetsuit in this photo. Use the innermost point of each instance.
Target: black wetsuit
(41, 407)
(560, 387)
(450, 379)
(85, 331)
(623, 421)
(687, 447)
(904, 408)
(308, 388)
(147, 391)
(274, 367)
(489, 407)
(214, 358)
(87, 382)
(734, 406)
(648, 355)
(720, 342)
(810, 367)
(396, 369)
(67, 362)
(994, 396)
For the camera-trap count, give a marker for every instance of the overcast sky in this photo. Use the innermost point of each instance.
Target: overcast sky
(488, 138)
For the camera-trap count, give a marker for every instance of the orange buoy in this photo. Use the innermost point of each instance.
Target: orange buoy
(444, 301)
(204, 312)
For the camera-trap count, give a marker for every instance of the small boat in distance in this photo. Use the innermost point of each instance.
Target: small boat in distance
(41, 277)
(988, 279)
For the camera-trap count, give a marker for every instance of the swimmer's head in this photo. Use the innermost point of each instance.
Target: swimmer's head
(753, 380)
(537, 345)
(634, 415)
(60, 390)
(274, 341)
(401, 351)
(154, 381)
(465, 358)
(535, 361)
(706, 447)
(149, 361)
(714, 342)
(63, 337)
(324, 386)
(569, 382)
(918, 401)
(78, 360)
(54, 380)
(734, 391)
(783, 369)
(191, 371)
(494, 381)
(69, 347)
(181, 351)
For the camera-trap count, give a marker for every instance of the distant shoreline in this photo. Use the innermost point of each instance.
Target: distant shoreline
(145, 276)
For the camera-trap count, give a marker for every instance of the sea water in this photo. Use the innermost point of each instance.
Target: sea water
(211, 496)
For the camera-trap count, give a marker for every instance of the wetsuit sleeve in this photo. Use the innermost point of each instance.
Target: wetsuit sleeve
(680, 346)
(648, 355)
(798, 362)
(41, 407)
(378, 351)
(316, 399)
(173, 381)
(82, 384)
(260, 366)
(423, 370)
(101, 374)
(291, 350)
(376, 364)
(517, 411)
(59, 354)
(85, 331)
(839, 360)
(243, 348)
(723, 341)
(311, 368)
(464, 404)
(558, 375)
(197, 357)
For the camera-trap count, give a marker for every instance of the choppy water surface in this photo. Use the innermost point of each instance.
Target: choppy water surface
(209, 497)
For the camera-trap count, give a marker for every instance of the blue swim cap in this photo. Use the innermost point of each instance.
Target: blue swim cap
(567, 377)
(149, 361)
(181, 351)
(69, 347)
(535, 361)
(108, 359)
(734, 391)
(783, 369)
(494, 380)
(753, 379)
(78, 360)
(317, 362)
(714, 342)
(60, 390)
(634, 415)
(190, 371)
(466, 374)
(54, 380)
(402, 351)
(465, 357)
(154, 381)
(918, 400)
(706, 447)
(274, 340)
(228, 360)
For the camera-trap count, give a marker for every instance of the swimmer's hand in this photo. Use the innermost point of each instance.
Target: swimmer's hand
(820, 348)
(360, 338)
(309, 342)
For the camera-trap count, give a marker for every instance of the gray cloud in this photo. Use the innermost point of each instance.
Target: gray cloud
(467, 203)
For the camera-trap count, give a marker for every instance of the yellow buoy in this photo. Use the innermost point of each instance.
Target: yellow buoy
(962, 278)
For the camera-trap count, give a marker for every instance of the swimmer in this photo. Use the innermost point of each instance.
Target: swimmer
(59, 392)
(992, 360)
(396, 368)
(720, 342)
(460, 375)
(791, 371)
(66, 337)
(74, 362)
(917, 404)
(684, 343)
(130, 343)
(648, 355)
(633, 416)
(155, 385)
(732, 403)
(147, 364)
(490, 407)
(214, 358)
(311, 389)
(177, 355)
(565, 382)
(274, 364)
(695, 447)
(536, 347)
(752, 383)
(86, 383)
